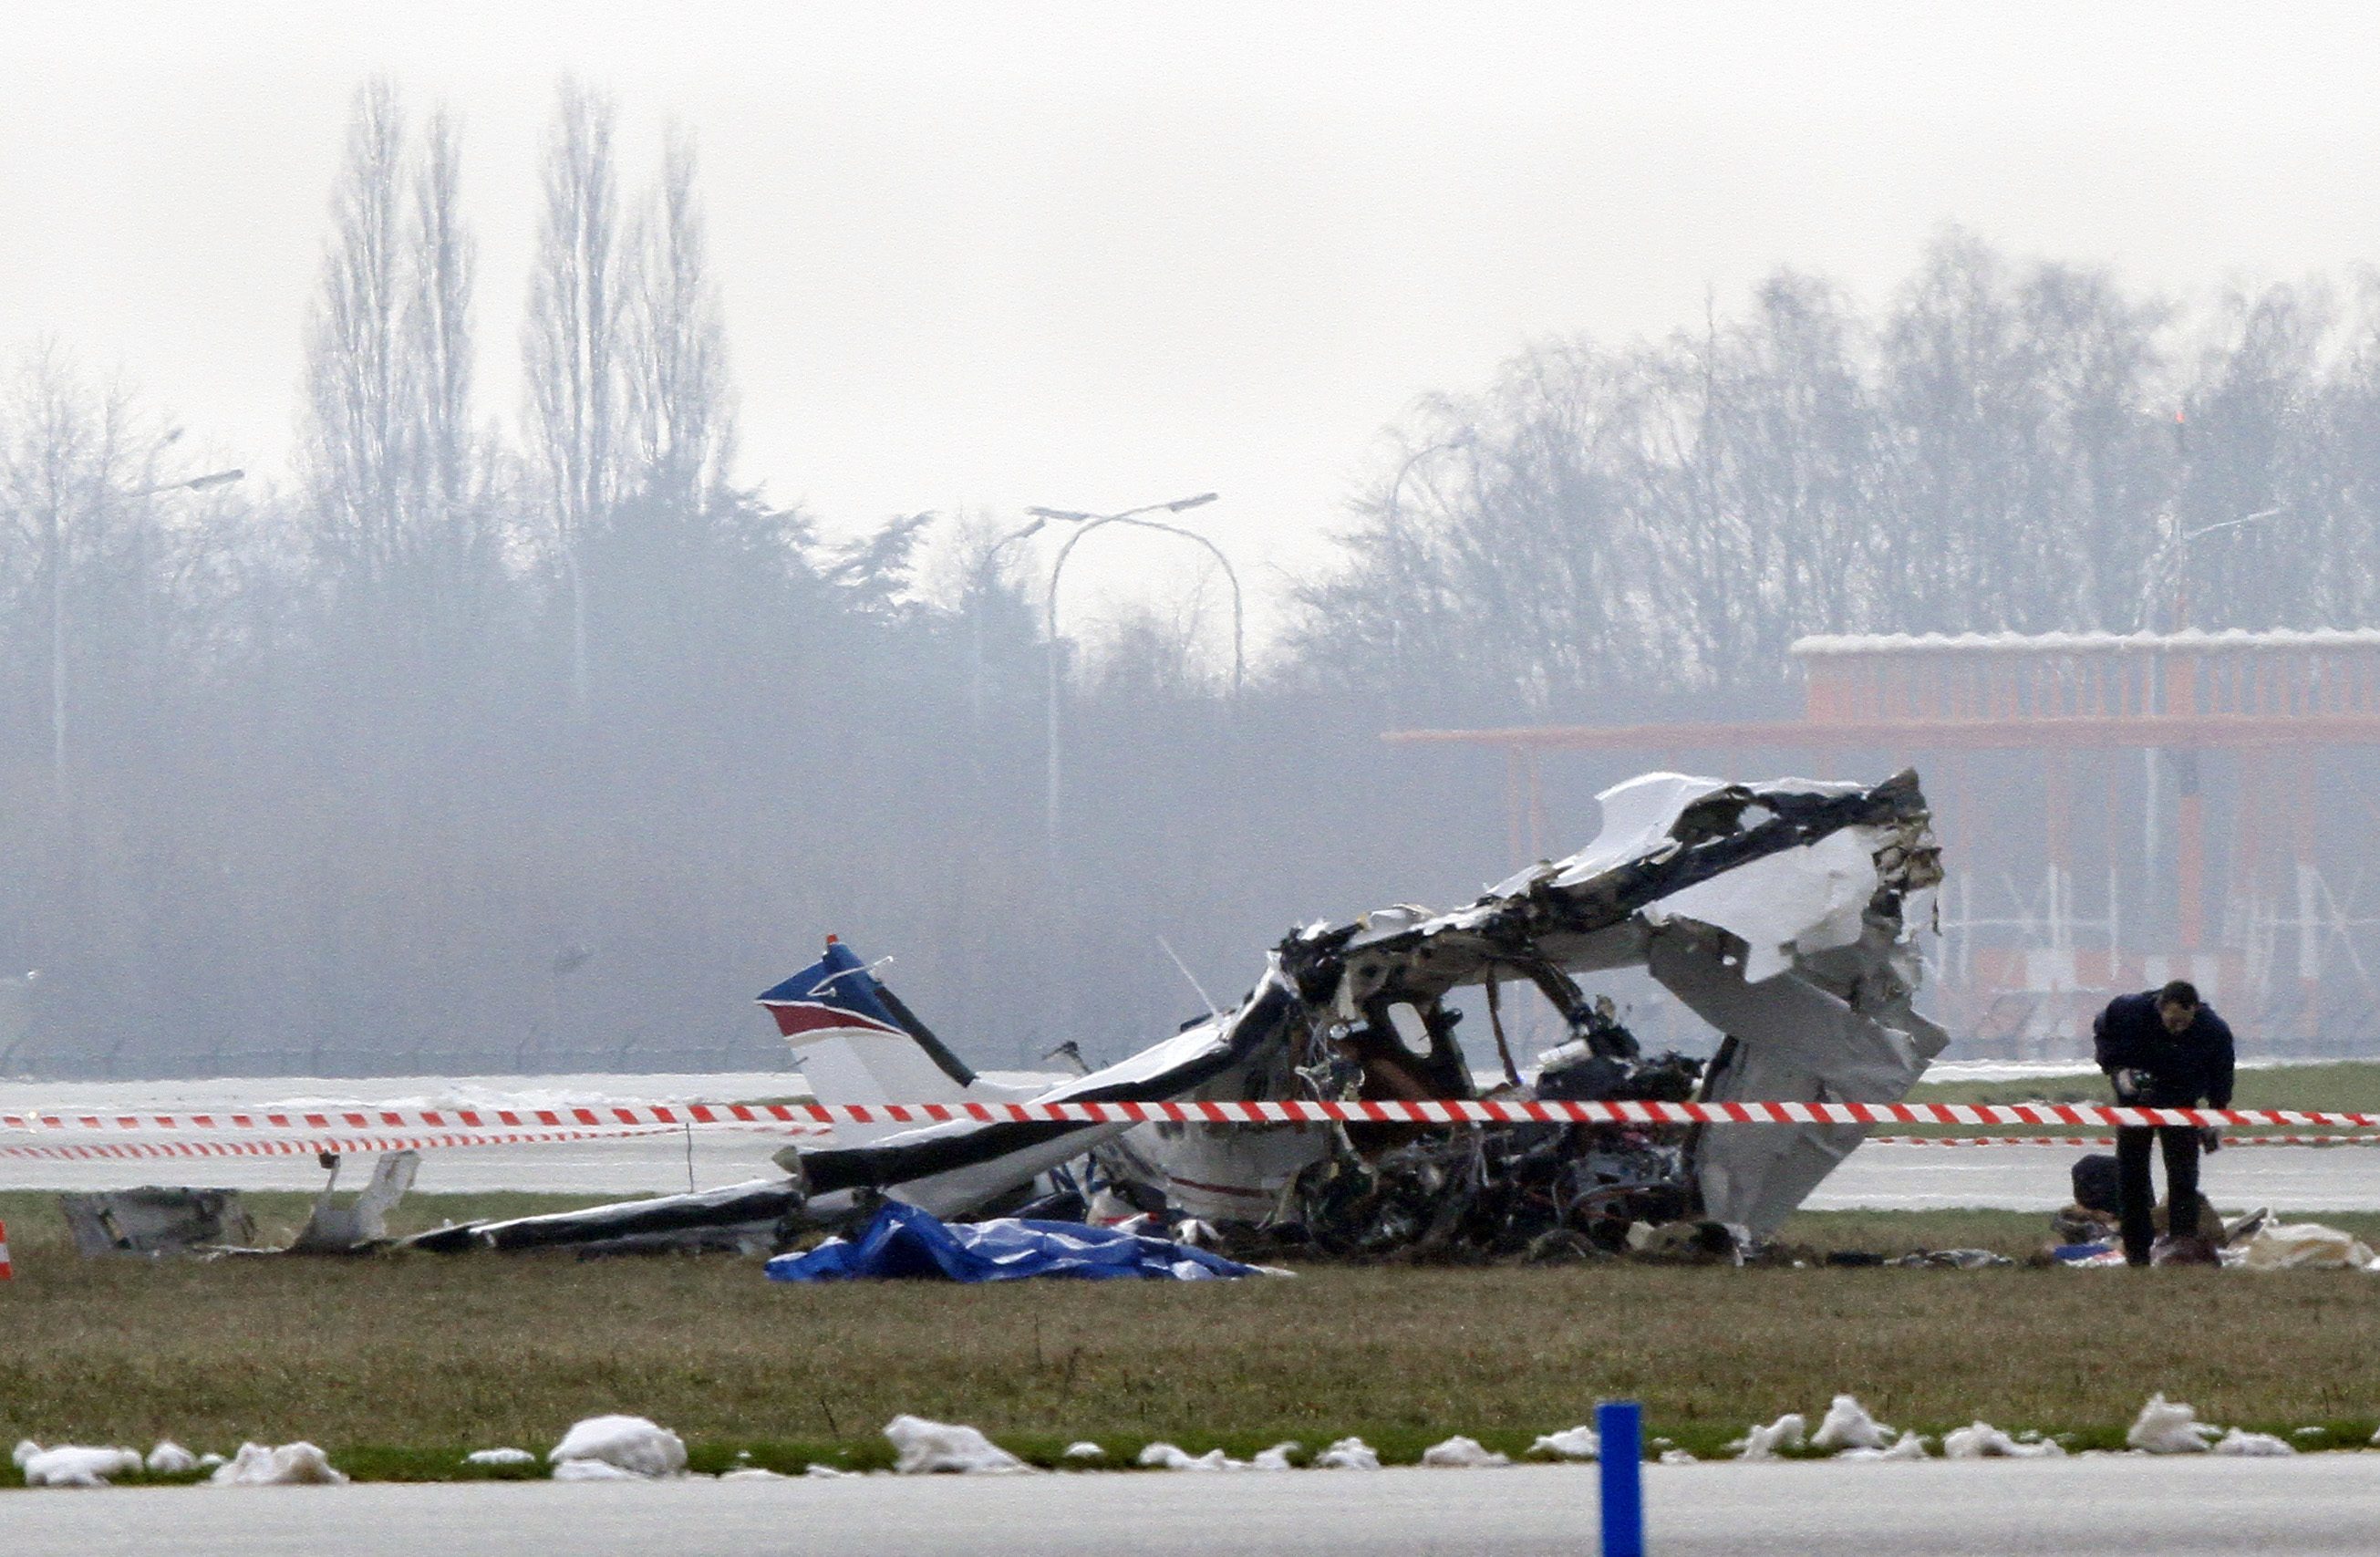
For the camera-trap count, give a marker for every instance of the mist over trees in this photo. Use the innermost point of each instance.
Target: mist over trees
(539, 737)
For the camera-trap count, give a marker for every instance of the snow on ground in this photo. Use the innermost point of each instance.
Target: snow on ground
(631, 1445)
(1461, 1454)
(924, 1448)
(74, 1464)
(291, 1465)
(1570, 1443)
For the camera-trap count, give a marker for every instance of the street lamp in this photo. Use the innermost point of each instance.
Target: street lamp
(57, 560)
(1089, 522)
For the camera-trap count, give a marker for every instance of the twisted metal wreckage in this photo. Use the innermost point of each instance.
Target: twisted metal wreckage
(1783, 914)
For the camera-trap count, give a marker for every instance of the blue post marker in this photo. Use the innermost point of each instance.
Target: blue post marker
(1620, 1455)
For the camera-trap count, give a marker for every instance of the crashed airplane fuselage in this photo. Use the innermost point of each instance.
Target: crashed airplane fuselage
(1783, 914)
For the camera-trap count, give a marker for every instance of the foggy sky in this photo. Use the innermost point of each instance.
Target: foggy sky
(1098, 255)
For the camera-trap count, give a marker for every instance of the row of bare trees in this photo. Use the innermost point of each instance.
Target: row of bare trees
(2003, 446)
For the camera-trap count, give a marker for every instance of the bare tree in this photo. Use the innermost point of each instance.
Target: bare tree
(352, 436)
(684, 418)
(571, 342)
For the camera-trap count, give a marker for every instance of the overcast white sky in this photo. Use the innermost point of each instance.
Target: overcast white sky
(1091, 256)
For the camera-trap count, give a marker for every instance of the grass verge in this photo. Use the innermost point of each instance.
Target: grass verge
(401, 1365)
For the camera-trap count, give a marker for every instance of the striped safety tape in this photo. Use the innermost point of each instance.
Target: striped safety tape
(2110, 1140)
(305, 1145)
(614, 1116)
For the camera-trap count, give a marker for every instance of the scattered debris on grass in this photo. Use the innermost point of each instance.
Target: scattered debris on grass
(1762, 1443)
(1909, 1446)
(629, 1445)
(74, 1464)
(1981, 1440)
(902, 1241)
(499, 1457)
(2304, 1246)
(1462, 1454)
(1570, 1443)
(1848, 1426)
(1083, 1452)
(1348, 1454)
(2170, 1427)
(926, 1448)
(291, 1465)
(1162, 1456)
(2254, 1445)
(1276, 1457)
(1679, 1457)
(169, 1458)
(155, 1220)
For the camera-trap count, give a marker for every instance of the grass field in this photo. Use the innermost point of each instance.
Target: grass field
(400, 1364)
(2346, 1086)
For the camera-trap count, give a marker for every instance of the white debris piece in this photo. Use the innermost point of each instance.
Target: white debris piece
(750, 1473)
(1570, 1443)
(25, 1449)
(76, 1465)
(1679, 1457)
(924, 1447)
(1981, 1440)
(2304, 1246)
(816, 1472)
(2170, 1427)
(1762, 1443)
(1462, 1454)
(1084, 1452)
(169, 1458)
(594, 1470)
(628, 1443)
(1348, 1454)
(1276, 1457)
(2254, 1445)
(1848, 1426)
(1162, 1456)
(1910, 1446)
(291, 1465)
(499, 1457)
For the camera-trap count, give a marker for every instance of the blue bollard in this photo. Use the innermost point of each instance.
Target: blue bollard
(1620, 1434)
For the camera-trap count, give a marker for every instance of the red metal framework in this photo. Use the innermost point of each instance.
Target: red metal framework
(2011, 730)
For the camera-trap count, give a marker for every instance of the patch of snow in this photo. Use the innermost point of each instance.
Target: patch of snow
(1162, 1456)
(1276, 1457)
(2254, 1445)
(1084, 1451)
(1762, 1443)
(2170, 1427)
(499, 1457)
(209, 1462)
(1848, 1426)
(170, 1458)
(1679, 1457)
(750, 1473)
(1348, 1454)
(594, 1470)
(25, 1449)
(2311, 1432)
(1910, 1446)
(628, 1443)
(816, 1472)
(75, 1465)
(291, 1465)
(1570, 1443)
(1461, 1454)
(925, 1448)
(1981, 1440)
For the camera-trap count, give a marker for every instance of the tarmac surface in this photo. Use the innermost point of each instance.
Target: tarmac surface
(2088, 1505)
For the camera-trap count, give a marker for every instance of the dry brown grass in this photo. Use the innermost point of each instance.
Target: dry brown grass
(415, 1359)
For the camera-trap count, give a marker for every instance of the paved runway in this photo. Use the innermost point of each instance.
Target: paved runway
(2113, 1505)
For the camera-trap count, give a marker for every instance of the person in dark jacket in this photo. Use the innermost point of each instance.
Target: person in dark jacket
(2162, 1049)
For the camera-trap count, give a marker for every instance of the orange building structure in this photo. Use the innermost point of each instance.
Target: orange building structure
(2116, 811)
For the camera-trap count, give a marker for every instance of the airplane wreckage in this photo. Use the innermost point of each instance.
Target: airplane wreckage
(1783, 914)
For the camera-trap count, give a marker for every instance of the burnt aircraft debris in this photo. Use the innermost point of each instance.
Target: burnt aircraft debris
(1783, 914)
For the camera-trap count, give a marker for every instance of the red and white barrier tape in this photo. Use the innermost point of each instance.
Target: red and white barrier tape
(305, 1145)
(2110, 1140)
(614, 1117)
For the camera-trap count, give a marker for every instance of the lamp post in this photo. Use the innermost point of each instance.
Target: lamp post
(1089, 522)
(57, 560)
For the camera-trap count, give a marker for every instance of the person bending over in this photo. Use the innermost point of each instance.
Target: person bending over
(2162, 1049)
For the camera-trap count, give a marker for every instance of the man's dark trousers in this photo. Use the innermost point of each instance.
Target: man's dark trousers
(2180, 1144)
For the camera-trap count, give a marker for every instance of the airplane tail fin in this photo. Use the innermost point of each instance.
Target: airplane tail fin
(856, 1041)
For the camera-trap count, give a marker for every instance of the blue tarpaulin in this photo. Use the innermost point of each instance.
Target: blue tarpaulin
(901, 1240)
